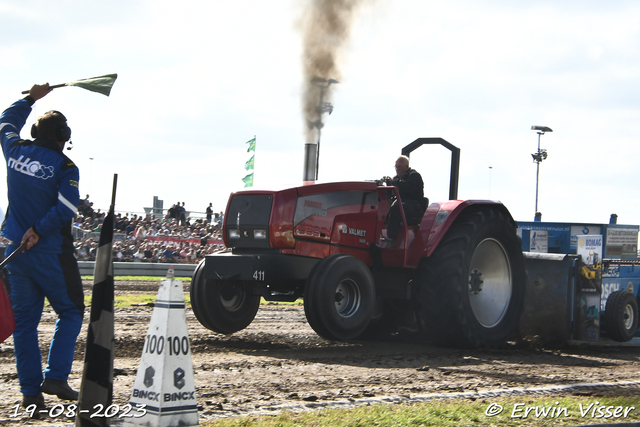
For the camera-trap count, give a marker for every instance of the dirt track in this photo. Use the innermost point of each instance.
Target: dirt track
(279, 362)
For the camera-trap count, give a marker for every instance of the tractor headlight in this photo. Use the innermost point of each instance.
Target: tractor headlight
(234, 233)
(260, 234)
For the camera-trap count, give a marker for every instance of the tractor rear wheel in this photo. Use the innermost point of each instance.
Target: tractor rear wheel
(621, 316)
(339, 297)
(223, 306)
(472, 287)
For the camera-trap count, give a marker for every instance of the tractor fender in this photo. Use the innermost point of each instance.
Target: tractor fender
(436, 222)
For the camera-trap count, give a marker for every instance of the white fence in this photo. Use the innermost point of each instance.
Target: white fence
(140, 269)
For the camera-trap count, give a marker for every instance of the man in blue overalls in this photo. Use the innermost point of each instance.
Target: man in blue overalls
(42, 186)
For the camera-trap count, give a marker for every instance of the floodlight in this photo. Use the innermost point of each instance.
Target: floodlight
(542, 129)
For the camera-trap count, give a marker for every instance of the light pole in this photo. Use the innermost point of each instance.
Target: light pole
(490, 169)
(539, 156)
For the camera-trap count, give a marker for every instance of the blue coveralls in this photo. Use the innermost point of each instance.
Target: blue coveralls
(43, 193)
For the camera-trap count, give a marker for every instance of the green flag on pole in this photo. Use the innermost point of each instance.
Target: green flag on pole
(252, 144)
(100, 84)
(249, 164)
(248, 180)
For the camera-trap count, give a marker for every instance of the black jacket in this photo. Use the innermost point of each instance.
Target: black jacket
(410, 186)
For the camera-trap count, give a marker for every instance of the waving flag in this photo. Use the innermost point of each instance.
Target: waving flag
(249, 164)
(100, 84)
(248, 180)
(97, 375)
(252, 144)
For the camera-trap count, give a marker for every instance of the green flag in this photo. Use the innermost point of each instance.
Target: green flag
(100, 84)
(249, 164)
(252, 144)
(248, 180)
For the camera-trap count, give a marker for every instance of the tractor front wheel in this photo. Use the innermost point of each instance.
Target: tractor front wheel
(223, 306)
(339, 297)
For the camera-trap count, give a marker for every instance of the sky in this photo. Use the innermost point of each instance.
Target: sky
(198, 79)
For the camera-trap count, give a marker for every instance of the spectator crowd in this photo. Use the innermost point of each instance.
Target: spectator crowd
(171, 238)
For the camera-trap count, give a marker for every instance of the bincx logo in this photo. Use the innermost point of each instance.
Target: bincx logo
(178, 378)
(148, 376)
(31, 168)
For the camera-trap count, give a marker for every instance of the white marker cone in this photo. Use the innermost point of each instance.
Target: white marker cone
(164, 382)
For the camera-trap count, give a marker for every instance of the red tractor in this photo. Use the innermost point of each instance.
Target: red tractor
(456, 276)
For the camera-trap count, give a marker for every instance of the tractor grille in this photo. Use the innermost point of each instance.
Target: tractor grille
(247, 221)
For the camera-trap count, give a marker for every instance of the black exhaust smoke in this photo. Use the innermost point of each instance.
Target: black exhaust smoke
(326, 27)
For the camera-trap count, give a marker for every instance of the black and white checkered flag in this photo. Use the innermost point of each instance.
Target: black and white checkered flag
(97, 376)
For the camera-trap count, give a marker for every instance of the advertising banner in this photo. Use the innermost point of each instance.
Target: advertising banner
(590, 247)
(622, 243)
(539, 241)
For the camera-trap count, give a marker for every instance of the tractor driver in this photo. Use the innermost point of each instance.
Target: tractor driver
(411, 188)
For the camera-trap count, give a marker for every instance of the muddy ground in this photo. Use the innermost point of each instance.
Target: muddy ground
(279, 362)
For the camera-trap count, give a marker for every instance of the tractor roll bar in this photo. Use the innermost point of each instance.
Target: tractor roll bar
(455, 160)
